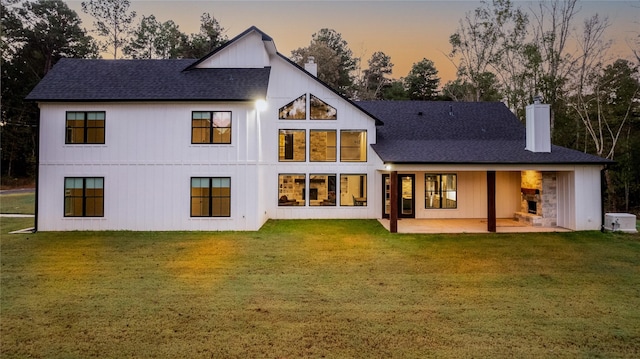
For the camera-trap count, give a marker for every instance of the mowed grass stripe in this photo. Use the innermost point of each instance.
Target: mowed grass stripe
(320, 288)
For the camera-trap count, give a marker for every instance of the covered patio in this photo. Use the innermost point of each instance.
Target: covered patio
(468, 225)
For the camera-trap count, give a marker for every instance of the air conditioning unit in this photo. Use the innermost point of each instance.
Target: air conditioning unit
(620, 222)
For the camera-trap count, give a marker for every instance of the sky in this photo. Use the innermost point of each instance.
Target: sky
(407, 31)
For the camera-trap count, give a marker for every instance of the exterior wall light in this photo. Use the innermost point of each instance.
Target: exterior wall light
(261, 105)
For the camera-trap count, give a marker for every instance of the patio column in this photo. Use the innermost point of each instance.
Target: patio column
(491, 201)
(393, 197)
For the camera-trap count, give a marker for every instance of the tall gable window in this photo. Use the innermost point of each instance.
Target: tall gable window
(320, 110)
(353, 146)
(353, 190)
(322, 190)
(84, 197)
(322, 145)
(440, 190)
(291, 189)
(210, 197)
(293, 145)
(294, 110)
(85, 127)
(212, 127)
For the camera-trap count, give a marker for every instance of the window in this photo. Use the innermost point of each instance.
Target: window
(210, 197)
(294, 110)
(83, 197)
(353, 146)
(291, 190)
(320, 110)
(85, 127)
(440, 190)
(353, 190)
(322, 190)
(293, 145)
(213, 127)
(322, 145)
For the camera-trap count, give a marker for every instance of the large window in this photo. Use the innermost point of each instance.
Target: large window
(322, 145)
(210, 197)
(353, 190)
(84, 197)
(293, 145)
(322, 190)
(353, 146)
(85, 127)
(440, 190)
(213, 127)
(291, 190)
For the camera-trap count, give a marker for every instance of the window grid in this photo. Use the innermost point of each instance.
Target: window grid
(211, 197)
(84, 197)
(441, 190)
(85, 127)
(211, 127)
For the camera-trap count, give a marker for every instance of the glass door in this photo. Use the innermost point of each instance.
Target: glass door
(407, 199)
(386, 196)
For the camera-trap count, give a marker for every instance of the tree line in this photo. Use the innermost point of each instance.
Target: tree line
(502, 52)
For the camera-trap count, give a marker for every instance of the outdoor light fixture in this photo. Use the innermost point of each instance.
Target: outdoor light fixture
(261, 105)
(388, 167)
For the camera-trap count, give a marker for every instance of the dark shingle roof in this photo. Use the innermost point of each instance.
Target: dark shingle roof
(148, 80)
(458, 132)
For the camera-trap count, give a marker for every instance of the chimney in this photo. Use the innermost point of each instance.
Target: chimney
(311, 66)
(538, 127)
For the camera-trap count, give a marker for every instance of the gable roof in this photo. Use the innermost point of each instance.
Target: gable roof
(265, 38)
(148, 80)
(441, 132)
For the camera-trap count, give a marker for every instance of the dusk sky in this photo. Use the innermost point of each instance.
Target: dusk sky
(407, 31)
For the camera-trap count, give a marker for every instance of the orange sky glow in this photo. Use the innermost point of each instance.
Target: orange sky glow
(407, 31)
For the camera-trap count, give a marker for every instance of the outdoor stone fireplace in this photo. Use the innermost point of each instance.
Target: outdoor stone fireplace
(539, 199)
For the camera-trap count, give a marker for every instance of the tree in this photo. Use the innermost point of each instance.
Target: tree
(347, 64)
(551, 30)
(35, 36)
(422, 81)
(374, 80)
(154, 40)
(607, 109)
(326, 58)
(112, 20)
(211, 36)
(488, 89)
(489, 46)
(395, 91)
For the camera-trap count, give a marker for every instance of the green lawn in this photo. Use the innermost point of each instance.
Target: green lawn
(19, 203)
(317, 288)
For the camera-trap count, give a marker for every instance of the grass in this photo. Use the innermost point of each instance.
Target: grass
(320, 288)
(19, 203)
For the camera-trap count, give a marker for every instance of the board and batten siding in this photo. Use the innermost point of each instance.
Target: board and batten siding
(147, 162)
(247, 52)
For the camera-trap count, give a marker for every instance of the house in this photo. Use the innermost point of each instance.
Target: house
(243, 135)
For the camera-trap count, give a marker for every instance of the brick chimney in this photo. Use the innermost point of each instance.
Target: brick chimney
(311, 66)
(538, 127)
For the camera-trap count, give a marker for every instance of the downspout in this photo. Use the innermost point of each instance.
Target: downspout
(603, 190)
(35, 213)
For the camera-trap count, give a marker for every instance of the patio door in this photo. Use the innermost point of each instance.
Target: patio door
(406, 196)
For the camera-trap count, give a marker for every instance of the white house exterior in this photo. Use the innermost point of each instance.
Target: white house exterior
(184, 145)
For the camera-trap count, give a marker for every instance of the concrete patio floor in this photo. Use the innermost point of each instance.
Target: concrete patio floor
(470, 225)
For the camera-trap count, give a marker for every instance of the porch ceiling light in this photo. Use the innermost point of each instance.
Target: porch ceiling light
(388, 167)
